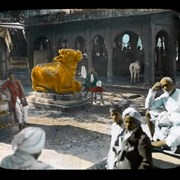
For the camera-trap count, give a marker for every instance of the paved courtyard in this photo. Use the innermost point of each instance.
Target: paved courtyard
(81, 139)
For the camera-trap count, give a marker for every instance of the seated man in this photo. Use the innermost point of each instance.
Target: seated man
(91, 79)
(163, 114)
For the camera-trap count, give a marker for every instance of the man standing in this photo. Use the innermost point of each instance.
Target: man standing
(116, 128)
(132, 147)
(18, 103)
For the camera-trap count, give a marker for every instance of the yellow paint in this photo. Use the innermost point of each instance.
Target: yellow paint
(59, 75)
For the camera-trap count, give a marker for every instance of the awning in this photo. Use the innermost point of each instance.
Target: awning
(12, 25)
(4, 32)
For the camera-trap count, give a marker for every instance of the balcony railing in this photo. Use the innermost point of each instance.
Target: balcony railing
(85, 14)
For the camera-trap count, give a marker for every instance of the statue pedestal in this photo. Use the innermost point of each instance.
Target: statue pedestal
(53, 101)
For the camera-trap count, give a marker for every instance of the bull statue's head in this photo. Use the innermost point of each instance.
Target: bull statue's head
(59, 75)
(68, 55)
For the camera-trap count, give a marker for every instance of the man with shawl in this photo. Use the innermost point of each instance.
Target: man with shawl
(91, 79)
(133, 146)
(28, 145)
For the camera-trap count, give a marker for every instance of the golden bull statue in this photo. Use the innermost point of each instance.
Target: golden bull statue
(59, 75)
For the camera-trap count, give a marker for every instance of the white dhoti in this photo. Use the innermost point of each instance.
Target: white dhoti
(21, 111)
(167, 127)
(83, 72)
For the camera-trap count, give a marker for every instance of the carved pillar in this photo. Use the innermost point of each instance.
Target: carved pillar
(30, 54)
(149, 45)
(109, 52)
(89, 48)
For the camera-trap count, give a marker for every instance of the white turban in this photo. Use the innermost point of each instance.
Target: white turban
(30, 140)
(132, 113)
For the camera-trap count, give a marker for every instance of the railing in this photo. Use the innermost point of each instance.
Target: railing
(86, 14)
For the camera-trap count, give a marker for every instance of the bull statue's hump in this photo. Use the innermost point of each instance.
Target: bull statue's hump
(59, 75)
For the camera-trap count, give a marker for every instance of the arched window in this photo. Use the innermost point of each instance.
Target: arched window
(126, 42)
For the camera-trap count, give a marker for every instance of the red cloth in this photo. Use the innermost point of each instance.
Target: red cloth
(96, 89)
(15, 88)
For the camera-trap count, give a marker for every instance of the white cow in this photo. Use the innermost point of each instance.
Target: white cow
(134, 69)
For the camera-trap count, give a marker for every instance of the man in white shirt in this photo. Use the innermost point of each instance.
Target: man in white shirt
(166, 122)
(116, 128)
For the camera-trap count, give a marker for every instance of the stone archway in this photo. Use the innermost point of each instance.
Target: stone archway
(161, 63)
(80, 44)
(99, 55)
(42, 50)
(19, 48)
(127, 49)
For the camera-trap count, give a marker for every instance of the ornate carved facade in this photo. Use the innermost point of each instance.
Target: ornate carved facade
(111, 39)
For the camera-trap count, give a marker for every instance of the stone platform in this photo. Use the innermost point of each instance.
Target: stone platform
(53, 101)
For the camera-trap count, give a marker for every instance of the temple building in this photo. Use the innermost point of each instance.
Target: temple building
(110, 40)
